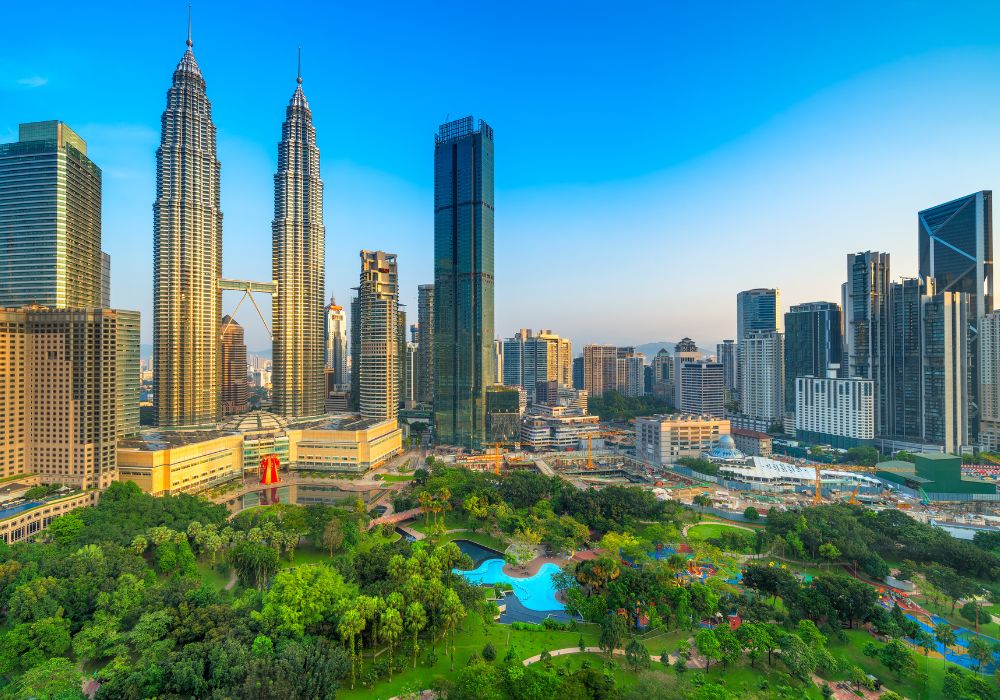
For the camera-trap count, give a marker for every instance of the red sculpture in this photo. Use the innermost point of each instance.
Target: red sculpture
(269, 465)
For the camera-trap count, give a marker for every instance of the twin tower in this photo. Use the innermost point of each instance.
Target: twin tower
(187, 261)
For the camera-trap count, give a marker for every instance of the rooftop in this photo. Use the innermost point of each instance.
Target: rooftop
(154, 439)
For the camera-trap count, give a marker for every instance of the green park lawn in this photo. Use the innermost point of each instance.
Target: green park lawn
(391, 478)
(706, 531)
(472, 637)
(213, 576)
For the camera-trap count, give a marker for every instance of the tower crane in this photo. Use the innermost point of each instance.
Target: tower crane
(818, 495)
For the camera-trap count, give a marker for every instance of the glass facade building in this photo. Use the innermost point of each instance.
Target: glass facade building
(812, 343)
(425, 343)
(866, 327)
(50, 220)
(463, 280)
(956, 248)
(906, 393)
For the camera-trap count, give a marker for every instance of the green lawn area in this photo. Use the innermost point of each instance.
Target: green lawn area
(908, 686)
(397, 477)
(472, 638)
(706, 531)
(213, 577)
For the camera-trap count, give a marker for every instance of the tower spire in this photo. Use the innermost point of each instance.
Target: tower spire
(189, 42)
(298, 78)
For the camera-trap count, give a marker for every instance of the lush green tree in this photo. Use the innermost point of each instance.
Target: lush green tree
(863, 455)
(829, 552)
(452, 614)
(970, 611)
(729, 646)
(55, 679)
(750, 513)
(416, 620)
(981, 651)
(34, 600)
(391, 628)
(637, 655)
(254, 563)
(614, 630)
(300, 599)
(797, 656)
(860, 679)
(897, 658)
(708, 646)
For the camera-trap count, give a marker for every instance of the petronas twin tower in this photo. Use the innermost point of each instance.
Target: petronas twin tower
(187, 261)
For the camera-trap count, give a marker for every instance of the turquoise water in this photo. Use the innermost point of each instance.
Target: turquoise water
(535, 593)
(14, 510)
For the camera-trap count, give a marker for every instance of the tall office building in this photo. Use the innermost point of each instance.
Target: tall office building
(763, 383)
(463, 280)
(989, 388)
(105, 281)
(663, 375)
(69, 390)
(401, 355)
(684, 352)
(956, 249)
(298, 245)
(600, 369)
(813, 342)
(412, 371)
(630, 374)
(355, 354)
(865, 303)
(704, 388)
(187, 257)
(725, 354)
(378, 299)
(235, 392)
(425, 343)
(530, 359)
(947, 375)
(756, 310)
(906, 404)
(336, 343)
(50, 220)
(578, 381)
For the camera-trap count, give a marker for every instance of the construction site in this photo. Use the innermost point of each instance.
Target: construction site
(935, 488)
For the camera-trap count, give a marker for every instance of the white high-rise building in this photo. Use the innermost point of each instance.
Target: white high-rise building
(762, 360)
(837, 412)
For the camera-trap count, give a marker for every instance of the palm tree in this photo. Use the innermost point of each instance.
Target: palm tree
(392, 628)
(368, 609)
(443, 498)
(944, 634)
(416, 620)
(350, 625)
(452, 613)
(425, 500)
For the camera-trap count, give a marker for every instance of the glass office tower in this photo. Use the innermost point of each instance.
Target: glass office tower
(50, 220)
(956, 248)
(463, 280)
(812, 343)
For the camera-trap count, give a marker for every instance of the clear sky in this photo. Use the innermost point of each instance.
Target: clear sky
(652, 159)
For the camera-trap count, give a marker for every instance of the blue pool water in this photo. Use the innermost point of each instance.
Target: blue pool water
(535, 593)
(6, 513)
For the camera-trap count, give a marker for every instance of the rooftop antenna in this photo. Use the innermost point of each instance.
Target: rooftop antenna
(299, 78)
(189, 42)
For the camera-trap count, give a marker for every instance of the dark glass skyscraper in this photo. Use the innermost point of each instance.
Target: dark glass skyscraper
(463, 280)
(906, 394)
(956, 248)
(812, 343)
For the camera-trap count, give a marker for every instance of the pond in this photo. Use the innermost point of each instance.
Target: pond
(536, 592)
(477, 552)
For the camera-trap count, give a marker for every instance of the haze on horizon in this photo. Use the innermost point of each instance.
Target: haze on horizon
(651, 162)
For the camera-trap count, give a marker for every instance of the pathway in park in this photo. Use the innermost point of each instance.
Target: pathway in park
(695, 662)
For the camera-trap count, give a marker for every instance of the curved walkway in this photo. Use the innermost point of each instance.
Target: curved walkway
(695, 662)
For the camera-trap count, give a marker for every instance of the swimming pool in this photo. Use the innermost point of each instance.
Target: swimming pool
(477, 552)
(536, 592)
(14, 510)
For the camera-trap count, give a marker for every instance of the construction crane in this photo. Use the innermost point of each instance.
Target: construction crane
(597, 434)
(818, 495)
(497, 456)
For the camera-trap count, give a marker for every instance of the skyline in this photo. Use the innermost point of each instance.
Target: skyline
(863, 120)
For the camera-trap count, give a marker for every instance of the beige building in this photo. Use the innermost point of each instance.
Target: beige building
(600, 369)
(355, 446)
(26, 523)
(557, 428)
(663, 439)
(68, 392)
(378, 359)
(170, 462)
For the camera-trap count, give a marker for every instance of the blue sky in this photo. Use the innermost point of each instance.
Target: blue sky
(652, 159)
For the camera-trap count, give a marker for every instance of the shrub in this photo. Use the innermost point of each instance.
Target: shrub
(489, 652)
